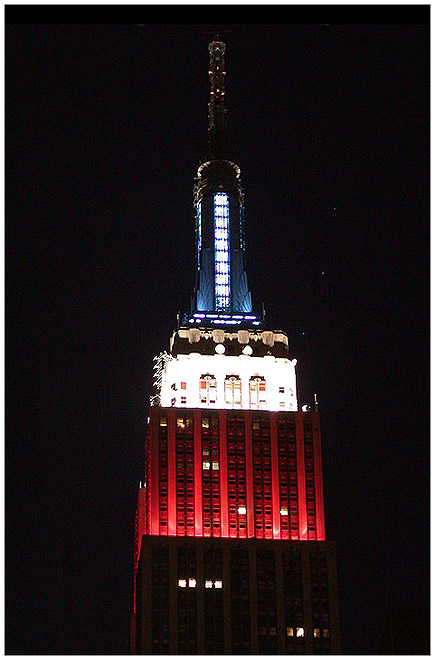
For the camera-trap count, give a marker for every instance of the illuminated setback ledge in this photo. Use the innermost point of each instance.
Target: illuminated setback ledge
(223, 319)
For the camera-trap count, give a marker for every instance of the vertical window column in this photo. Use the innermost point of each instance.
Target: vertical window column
(206, 476)
(180, 476)
(211, 496)
(262, 467)
(186, 600)
(216, 477)
(241, 476)
(236, 461)
(232, 479)
(189, 477)
(293, 479)
(185, 495)
(283, 479)
(213, 601)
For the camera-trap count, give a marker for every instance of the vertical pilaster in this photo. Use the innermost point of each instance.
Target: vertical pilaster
(302, 491)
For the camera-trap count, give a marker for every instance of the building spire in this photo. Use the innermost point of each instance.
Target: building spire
(216, 106)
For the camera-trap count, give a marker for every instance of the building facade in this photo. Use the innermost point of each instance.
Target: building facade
(230, 549)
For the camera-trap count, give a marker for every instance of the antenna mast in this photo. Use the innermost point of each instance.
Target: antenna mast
(216, 107)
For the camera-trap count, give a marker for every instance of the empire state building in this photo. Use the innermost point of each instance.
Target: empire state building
(230, 549)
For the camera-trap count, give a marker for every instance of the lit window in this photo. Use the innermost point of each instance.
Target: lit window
(257, 385)
(182, 583)
(192, 582)
(183, 386)
(218, 584)
(256, 425)
(300, 632)
(325, 632)
(289, 632)
(284, 511)
(205, 451)
(233, 392)
(316, 632)
(209, 584)
(215, 465)
(205, 465)
(180, 422)
(207, 389)
(242, 509)
(163, 421)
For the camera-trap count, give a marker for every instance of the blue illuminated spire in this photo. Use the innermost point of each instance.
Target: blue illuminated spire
(221, 283)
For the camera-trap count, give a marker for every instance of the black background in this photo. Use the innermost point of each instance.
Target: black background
(328, 118)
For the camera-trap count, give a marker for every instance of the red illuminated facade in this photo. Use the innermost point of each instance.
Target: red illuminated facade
(233, 474)
(230, 549)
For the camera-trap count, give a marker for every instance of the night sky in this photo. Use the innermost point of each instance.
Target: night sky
(328, 118)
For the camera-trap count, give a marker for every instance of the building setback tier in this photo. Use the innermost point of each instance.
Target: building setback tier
(225, 596)
(232, 474)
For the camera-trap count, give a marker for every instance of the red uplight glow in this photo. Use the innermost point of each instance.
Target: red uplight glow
(232, 474)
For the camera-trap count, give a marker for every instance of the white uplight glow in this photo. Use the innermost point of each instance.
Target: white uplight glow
(229, 382)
